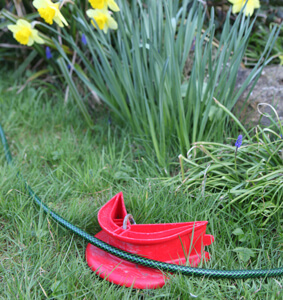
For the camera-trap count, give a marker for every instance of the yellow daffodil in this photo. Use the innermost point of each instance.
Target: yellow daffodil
(102, 19)
(250, 6)
(281, 60)
(101, 4)
(24, 33)
(50, 12)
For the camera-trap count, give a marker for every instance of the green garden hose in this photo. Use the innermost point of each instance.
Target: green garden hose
(166, 267)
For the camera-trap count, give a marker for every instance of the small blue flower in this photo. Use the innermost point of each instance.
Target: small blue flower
(239, 141)
(84, 41)
(48, 53)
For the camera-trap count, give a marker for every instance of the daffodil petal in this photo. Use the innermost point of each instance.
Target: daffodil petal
(60, 20)
(112, 23)
(30, 42)
(256, 4)
(36, 37)
(113, 5)
(236, 8)
(249, 10)
(23, 23)
(91, 13)
(37, 4)
(42, 3)
(13, 28)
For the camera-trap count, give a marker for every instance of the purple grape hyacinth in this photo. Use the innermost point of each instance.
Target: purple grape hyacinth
(48, 53)
(84, 41)
(239, 141)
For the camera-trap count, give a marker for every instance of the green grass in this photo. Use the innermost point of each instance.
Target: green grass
(74, 171)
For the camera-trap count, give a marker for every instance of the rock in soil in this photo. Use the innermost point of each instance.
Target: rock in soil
(269, 89)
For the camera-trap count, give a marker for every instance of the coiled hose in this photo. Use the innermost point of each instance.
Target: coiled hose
(166, 267)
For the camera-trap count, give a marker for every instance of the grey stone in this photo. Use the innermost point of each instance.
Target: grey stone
(269, 89)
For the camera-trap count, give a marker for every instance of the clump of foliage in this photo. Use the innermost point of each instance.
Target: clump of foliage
(139, 71)
(248, 175)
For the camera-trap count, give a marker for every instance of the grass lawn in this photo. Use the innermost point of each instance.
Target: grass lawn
(75, 171)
